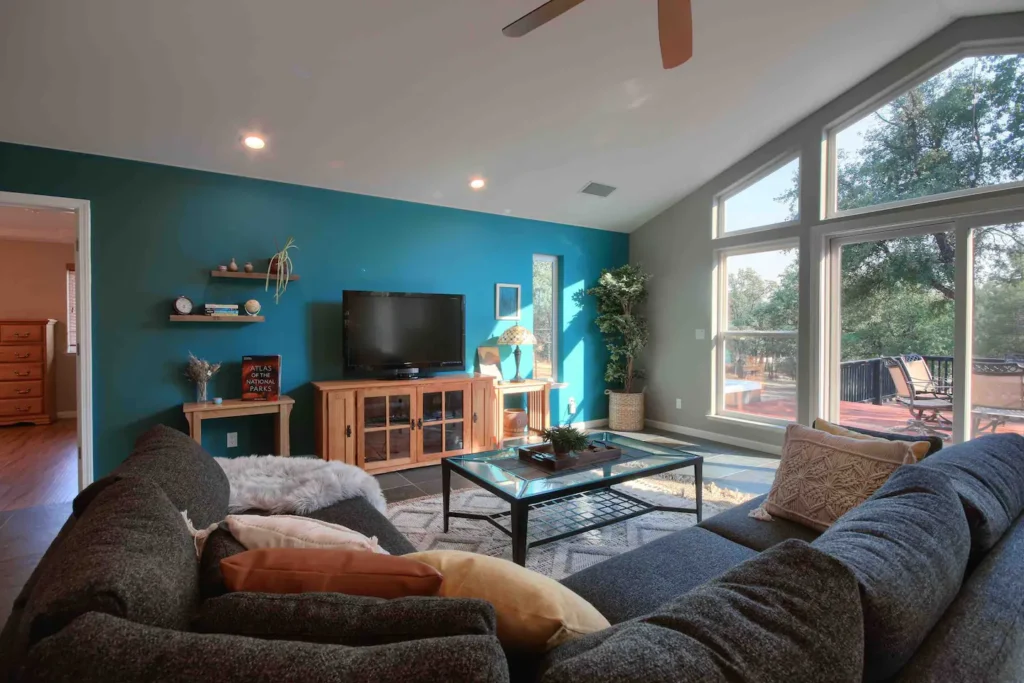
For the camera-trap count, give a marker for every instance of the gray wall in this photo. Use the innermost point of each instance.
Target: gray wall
(678, 248)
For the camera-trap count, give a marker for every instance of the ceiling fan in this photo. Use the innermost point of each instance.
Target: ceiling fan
(675, 26)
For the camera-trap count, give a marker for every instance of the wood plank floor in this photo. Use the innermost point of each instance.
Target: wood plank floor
(38, 465)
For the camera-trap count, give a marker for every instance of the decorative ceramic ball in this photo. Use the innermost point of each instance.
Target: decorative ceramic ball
(248, 267)
(252, 307)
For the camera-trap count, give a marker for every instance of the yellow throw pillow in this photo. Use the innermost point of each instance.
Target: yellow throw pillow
(535, 613)
(919, 448)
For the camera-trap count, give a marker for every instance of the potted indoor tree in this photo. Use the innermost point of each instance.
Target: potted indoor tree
(619, 293)
(565, 440)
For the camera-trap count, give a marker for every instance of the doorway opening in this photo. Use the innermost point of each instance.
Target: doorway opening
(45, 351)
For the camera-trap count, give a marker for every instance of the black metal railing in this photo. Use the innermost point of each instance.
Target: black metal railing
(868, 381)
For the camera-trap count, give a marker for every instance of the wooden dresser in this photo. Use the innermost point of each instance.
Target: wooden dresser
(27, 374)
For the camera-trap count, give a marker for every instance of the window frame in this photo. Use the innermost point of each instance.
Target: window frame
(71, 309)
(555, 320)
(723, 333)
(935, 67)
(748, 181)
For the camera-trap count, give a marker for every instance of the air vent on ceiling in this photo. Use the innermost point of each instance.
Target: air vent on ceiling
(598, 190)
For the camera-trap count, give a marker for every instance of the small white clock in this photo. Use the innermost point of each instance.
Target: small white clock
(183, 305)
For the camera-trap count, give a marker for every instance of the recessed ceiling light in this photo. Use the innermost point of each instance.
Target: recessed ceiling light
(478, 183)
(254, 142)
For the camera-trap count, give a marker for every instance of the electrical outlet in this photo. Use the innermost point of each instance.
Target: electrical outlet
(700, 334)
(679, 404)
(232, 439)
(572, 405)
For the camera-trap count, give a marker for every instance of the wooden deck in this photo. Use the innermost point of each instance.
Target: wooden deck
(883, 418)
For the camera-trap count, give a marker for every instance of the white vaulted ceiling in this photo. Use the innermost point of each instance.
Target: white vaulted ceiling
(409, 99)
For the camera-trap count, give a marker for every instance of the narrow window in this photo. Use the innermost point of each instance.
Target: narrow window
(769, 200)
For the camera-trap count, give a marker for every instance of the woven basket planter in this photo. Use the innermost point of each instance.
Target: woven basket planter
(625, 411)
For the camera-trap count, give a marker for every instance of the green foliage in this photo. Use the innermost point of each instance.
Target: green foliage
(961, 129)
(619, 293)
(566, 439)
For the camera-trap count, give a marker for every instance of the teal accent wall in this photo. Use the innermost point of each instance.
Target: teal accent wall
(157, 231)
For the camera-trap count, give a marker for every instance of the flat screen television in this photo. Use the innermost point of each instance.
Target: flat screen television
(404, 333)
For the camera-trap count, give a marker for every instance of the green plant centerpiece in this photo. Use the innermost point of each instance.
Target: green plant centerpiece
(281, 267)
(620, 292)
(565, 440)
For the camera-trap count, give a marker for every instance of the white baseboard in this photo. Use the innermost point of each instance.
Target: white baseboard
(66, 414)
(714, 436)
(592, 424)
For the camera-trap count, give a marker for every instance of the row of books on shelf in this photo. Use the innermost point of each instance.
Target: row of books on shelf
(220, 309)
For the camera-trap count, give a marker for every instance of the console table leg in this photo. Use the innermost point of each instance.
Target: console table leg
(520, 513)
(698, 470)
(446, 491)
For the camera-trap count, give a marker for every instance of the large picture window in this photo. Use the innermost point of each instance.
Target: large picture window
(757, 339)
(960, 131)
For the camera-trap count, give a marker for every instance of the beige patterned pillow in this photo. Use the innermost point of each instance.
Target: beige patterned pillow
(821, 476)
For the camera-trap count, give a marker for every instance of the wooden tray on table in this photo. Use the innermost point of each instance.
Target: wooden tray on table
(542, 455)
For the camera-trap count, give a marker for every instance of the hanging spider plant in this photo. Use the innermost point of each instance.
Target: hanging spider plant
(281, 265)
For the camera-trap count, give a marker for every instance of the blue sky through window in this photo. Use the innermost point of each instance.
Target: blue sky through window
(758, 205)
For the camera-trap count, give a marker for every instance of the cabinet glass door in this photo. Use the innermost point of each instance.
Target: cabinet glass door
(443, 411)
(387, 425)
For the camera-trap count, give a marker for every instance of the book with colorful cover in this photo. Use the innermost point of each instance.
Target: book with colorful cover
(261, 378)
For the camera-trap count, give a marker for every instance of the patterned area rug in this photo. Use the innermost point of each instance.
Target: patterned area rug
(421, 521)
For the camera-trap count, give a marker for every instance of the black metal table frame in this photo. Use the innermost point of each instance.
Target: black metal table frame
(520, 511)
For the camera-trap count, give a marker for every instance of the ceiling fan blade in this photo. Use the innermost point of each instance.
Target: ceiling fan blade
(675, 30)
(539, 17)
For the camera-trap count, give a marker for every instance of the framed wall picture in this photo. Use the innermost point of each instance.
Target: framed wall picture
(506, 301)
(490, 361)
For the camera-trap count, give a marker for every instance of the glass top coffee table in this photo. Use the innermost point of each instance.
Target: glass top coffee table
(549, 506)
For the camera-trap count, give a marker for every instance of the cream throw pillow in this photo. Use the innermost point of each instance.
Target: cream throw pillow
(920, 448)
(822, 476)
(256, 532)
(535, 613)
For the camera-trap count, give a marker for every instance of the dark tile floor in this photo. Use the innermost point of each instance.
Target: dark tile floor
(25, 534)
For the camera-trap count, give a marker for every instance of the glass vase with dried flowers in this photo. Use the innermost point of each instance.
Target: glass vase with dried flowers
(201, 372)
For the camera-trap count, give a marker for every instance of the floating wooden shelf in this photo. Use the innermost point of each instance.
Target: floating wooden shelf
(248, 276)
(217, 318)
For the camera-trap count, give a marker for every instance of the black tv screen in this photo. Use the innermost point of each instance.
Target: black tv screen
(393, 330)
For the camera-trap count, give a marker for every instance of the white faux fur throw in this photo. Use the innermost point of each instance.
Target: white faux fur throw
(295, 485)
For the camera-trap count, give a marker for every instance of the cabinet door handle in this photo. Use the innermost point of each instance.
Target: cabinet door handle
(21, 335)
(23, 409)
(348, 430)
(474, 418)
(419, 423)
(23, 392)
(23, 355)
(22, 374)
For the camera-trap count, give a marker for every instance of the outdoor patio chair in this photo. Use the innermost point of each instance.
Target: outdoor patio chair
(997, 392)
(920, 374)
(926, 412)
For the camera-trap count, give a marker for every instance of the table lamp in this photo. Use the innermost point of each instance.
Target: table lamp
(514, 336)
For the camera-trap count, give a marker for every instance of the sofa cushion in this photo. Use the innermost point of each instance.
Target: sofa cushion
(791, 614)
(358, 514)
(344, 619)
(908, 547)
(130, 555)
(99, 648)
(220, 544)
(981, 635)
(988, 475)
(188, 475)
(736, 525)
(639, 581)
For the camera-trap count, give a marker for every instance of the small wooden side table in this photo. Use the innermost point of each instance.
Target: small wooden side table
(538, 404)
(195, 413)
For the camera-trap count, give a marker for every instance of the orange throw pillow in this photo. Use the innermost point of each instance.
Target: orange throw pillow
(328, 570)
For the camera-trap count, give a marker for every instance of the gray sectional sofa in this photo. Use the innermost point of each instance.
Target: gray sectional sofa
(922, 582)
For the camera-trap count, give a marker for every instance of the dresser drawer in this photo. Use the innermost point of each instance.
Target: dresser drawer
(12, 334)
(21, 354)
(21, 389)
(20, 371)
(20, 406)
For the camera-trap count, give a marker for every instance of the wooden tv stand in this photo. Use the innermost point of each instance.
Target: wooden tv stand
(388, 425)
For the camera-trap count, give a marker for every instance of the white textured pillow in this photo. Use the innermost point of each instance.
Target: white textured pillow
(256, 532)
